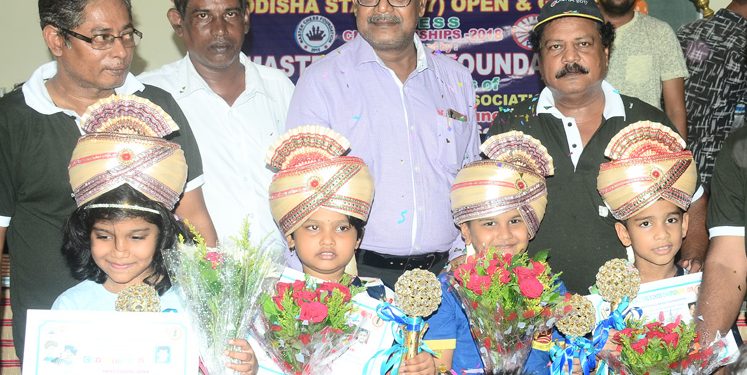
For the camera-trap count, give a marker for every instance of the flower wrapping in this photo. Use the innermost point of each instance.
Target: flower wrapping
(654, 348)
(304, 326)
(507, 298)
(220, 287)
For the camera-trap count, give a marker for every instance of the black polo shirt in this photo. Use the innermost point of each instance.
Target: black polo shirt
(577, 227)
(727, 207)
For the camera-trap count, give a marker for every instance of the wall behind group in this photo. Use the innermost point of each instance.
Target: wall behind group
(24, 50)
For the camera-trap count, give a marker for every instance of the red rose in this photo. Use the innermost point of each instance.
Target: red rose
(652, 326)
(538, 267)
(464, 270)
(512, 316)
(507, 258)
(528, 314)
(305, 338)
(671, 339)
(505, 277)
(528, 283)
(281, 288)
(330, 287)
(298, 285)
(492, 267)
(278, 302)
(313, 312)
(640, 345)
(625, 332)
(276, 328)
(215, 258)
(303, 295)
(546, 312)
(478, 284)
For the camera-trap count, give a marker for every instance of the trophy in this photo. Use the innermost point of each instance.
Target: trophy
(702, 6)
(418, 294)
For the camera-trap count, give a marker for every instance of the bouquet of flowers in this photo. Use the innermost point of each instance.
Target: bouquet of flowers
(655, 348)
(507, 298)
(221, 287)
(305, 325)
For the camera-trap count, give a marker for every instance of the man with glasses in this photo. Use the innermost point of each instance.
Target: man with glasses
(233, 106)
(409, 113)
(92, 42)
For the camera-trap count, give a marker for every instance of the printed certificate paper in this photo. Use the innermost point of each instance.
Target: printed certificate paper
(672, 297)
(92, 342)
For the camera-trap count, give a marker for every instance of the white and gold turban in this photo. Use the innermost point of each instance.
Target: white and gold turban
(512, 178)
(123, 146)
(313, 173)
(649, 162)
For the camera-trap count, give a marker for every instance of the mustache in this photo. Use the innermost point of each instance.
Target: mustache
(573, 68)
(390, 18)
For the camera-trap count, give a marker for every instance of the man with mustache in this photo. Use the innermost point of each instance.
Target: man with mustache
(409, 113)
(93, 42)
(647, 62)
(575, 117)
(236, 108)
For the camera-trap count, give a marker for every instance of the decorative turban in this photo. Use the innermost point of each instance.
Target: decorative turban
(649, 162)
(123, 147)
(313, 173)
(512, 178)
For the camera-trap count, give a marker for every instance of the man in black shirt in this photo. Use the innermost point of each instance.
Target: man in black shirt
(575, 117)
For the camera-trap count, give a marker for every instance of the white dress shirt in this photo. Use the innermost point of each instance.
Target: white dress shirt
(233, 141)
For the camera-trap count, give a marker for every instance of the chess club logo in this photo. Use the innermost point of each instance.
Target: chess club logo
(521, 29)
(315, 34)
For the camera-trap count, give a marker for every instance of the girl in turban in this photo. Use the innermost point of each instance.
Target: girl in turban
(126, 179)
(320, 200)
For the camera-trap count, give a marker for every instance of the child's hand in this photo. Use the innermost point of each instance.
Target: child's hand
(421, 364)
(247, 360)
(456, 262)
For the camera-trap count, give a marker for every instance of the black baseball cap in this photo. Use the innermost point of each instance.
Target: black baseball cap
(569, 8)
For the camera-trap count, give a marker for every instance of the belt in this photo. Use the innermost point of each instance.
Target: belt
(424, 261)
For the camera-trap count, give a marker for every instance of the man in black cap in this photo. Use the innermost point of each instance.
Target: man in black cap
(575, 117)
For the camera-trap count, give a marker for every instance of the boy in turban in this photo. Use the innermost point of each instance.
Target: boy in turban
(497, 203)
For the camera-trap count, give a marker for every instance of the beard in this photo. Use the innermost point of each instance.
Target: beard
(617, 8)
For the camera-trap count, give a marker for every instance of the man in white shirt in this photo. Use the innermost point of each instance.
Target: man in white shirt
(236, 108)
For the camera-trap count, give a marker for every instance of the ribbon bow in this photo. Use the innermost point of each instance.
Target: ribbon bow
(575, 347)
(616, 320)
(390, 313)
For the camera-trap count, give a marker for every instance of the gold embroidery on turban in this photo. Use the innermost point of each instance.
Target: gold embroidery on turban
(313, 173)
(512, 178)
(649, 162)
(103, 161)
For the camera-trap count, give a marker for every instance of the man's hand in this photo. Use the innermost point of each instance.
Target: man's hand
(693, 250)
(691, 265)
(421, 364)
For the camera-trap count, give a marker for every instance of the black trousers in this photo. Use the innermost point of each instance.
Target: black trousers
(390, 275)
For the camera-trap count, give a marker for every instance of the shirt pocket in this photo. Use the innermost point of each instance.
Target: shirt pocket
(453, 138)
(638, 68)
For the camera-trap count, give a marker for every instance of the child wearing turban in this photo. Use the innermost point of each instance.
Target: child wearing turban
(497, 203)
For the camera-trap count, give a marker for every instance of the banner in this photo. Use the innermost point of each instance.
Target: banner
(489, 37)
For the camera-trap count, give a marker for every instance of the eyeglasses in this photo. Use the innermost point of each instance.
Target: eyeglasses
(105, 41)
(394, 3)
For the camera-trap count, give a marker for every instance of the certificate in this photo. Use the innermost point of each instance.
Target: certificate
(96, 342)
